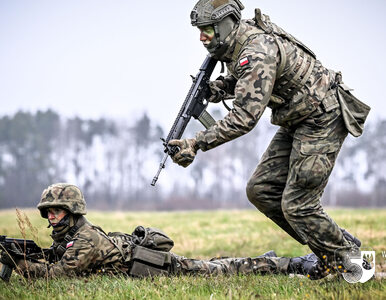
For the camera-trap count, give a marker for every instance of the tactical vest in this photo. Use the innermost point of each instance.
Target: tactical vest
(288, 80)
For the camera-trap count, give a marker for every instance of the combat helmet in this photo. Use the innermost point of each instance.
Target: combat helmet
(223, 15)
(63, 195)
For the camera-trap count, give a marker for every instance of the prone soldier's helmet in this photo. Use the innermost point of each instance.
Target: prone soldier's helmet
(223, 15)
(62, 195)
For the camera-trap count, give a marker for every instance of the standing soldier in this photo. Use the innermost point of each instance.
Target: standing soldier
(314, 109)
(80, 248)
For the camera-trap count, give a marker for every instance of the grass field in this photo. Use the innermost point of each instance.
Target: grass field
(205, 235)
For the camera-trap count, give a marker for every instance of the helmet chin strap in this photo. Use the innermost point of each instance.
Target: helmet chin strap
(217, 35)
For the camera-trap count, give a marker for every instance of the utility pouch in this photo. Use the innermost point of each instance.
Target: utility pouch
(354, 111)
(147, 262)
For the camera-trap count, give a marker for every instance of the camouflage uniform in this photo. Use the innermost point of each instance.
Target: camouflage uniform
(81, 248)
(229, 266)
(92, 251)
(270, 68)
(89, 251)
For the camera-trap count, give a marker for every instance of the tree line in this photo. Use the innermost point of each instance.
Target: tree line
(114, 161)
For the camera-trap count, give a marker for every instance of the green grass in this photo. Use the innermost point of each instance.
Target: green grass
(205, 235)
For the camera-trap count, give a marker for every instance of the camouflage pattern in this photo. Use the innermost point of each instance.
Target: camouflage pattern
(187, 153)
(293, 172)
(90, 251)
(291, 176)
(256, 84)
(63, 195)
(353, 110)
(207, 12)
(231, 266)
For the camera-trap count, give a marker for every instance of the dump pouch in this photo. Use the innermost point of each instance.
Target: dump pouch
(354, 111)
(147, 262)
(152, 238)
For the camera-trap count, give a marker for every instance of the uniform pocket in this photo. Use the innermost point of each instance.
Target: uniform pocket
(315, 163)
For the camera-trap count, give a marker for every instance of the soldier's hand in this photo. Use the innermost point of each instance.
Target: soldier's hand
(188, 150)
(217, 91)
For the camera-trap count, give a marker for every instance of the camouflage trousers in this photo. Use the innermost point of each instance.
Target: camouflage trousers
(289, 181)
(230, 266)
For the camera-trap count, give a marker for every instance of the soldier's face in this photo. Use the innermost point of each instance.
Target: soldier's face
(55, 215)
(206, 34)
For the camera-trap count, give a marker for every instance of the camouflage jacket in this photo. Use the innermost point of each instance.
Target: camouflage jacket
(90, 251)
(270, 69)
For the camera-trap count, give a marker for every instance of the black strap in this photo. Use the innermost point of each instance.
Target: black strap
(69, 236)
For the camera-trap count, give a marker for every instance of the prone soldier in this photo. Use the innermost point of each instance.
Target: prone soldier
(80, 248)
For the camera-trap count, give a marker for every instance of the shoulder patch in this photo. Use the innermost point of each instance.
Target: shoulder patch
(69, 244)
(244, 61)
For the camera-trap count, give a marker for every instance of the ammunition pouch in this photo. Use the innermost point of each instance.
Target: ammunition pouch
(147, 262)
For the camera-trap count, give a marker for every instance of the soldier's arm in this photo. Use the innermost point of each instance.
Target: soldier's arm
(252, 93)
(78, 258)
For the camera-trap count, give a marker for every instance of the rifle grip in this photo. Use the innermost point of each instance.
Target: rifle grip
(5, 273)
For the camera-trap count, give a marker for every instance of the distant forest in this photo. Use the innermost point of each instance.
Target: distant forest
(114, 161)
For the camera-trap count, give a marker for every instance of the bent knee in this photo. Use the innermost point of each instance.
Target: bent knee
(254, 191)
(250, 190)
(257, 195)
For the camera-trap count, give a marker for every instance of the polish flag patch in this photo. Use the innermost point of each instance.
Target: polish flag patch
(69, 244)
(244, 61)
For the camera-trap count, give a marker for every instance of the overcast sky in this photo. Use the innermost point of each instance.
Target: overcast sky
(95, 58)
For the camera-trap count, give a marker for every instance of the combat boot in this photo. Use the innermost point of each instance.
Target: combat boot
(308, 265)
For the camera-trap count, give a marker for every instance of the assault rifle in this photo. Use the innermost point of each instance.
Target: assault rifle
(193, 106)
(28, 250)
